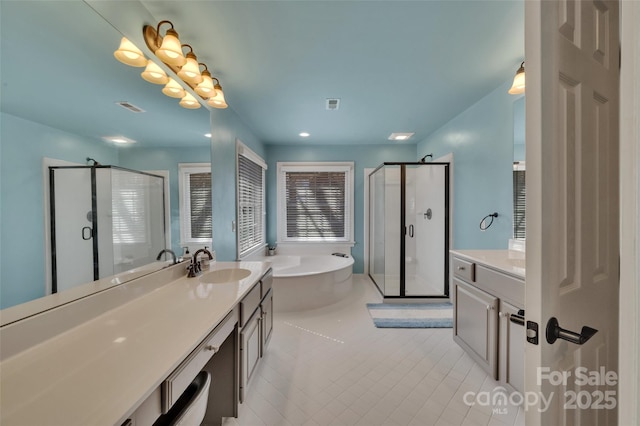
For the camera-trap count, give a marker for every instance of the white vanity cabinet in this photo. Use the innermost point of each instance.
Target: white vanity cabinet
(488, 321)
(256, 325)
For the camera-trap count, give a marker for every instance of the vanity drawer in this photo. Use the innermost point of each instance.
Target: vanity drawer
(504, 286)
(464, 269)
(249, 304)
(266, 282)
(179, 380)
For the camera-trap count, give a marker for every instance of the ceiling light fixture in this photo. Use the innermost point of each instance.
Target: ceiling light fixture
(400, 136)
(187, 74)
(518, 82)
(120, 140)
(207, 135)
(305, 134)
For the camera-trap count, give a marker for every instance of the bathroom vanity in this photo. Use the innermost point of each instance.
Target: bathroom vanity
(488, 321)
(125, 355)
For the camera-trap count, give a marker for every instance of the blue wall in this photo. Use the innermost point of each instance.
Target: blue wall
(226, 127)
(481, 140)
(24, 143)
(167, 159)
(364, 156)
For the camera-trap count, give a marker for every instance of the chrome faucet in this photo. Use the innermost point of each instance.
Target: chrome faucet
(195, 266)
(175, 259)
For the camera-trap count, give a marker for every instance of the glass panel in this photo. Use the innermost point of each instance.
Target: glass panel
(425, 217)
(376, 227)
(392, 235)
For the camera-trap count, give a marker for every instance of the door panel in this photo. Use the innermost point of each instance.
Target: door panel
(572, 100)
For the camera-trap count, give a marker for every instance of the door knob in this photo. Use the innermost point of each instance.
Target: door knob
(554, 332)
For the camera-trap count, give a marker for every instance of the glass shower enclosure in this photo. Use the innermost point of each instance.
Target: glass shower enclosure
(104, 220)
(409, 230)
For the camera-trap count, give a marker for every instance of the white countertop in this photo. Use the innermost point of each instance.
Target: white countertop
(97, 372)
(511, 262)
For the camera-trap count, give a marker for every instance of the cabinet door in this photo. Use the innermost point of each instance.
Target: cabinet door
(512, 338)
(475, 325)
(267, 319)
(250, 341)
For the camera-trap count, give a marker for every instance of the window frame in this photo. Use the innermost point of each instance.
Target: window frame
(243, 151)
(184, 170)
(310, 167)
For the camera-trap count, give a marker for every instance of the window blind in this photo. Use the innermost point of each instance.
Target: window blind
(129, 207)
(315, 204)
(519, 204)
(200, 205)
(250, 205)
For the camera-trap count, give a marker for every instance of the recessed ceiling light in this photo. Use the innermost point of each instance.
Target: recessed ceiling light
(207, 135)
(305, 134)
(120, 140)
(400, 136)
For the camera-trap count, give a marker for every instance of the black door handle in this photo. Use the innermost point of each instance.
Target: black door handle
(411, 231)
(84, 234)
(554, 332)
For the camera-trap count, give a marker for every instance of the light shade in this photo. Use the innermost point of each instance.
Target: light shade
(129, 54)
(170, 52)
(190, 71)
(173, 89)
(518, 82)
(188, 101)
(154, 74)
(205, 88)
(218, 100)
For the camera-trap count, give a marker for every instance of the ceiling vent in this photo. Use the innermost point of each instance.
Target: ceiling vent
(130, 107)
(333, 104)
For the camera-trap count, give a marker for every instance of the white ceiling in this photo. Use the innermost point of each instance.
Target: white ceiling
(397, 66)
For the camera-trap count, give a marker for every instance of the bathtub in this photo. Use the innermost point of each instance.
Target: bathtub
(309, 281)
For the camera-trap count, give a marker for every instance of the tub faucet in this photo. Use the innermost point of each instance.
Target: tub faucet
(197, 268)
(175, 260)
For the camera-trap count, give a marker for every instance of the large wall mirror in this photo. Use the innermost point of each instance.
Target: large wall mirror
(519, 171)
(60, 91)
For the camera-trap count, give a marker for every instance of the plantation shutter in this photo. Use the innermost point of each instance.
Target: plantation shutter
(200, 205)
(316, 205)
(519, 203)
(250, 205)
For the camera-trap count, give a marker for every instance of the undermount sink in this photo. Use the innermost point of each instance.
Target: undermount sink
(221, 276)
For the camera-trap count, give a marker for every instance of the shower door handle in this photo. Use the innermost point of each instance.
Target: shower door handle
(411, 231)
(87, 236)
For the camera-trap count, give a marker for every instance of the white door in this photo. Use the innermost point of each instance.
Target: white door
(572, 72)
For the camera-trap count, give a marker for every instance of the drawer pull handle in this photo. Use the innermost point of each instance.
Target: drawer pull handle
(212, 348)
(490, 308)
(460, 268)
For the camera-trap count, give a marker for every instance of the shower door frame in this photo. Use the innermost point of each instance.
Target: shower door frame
(403, 229)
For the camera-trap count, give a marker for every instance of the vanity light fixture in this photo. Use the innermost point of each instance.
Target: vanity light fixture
(129, 54)
(188, 101)
(154, 74)
(218, 100)
(190, 71)
(168, 49)
(173, 89)
(400, 136)
(518, 81)
(205, 87)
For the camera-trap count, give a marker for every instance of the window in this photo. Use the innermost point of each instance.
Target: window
(519, 201)
(315, 202)
(130, 210)
(195, 203)
(251, 206)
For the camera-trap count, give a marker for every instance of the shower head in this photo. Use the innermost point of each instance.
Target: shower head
(95, 163)
(424, 159)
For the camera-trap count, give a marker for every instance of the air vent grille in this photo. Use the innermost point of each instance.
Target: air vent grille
(130, 107)
(333, 104)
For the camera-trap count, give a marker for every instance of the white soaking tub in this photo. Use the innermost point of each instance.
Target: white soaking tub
(309, 281)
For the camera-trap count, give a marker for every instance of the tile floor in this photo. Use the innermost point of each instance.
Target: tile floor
(331, 366)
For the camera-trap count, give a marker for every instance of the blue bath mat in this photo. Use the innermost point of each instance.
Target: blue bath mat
(411, 315)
